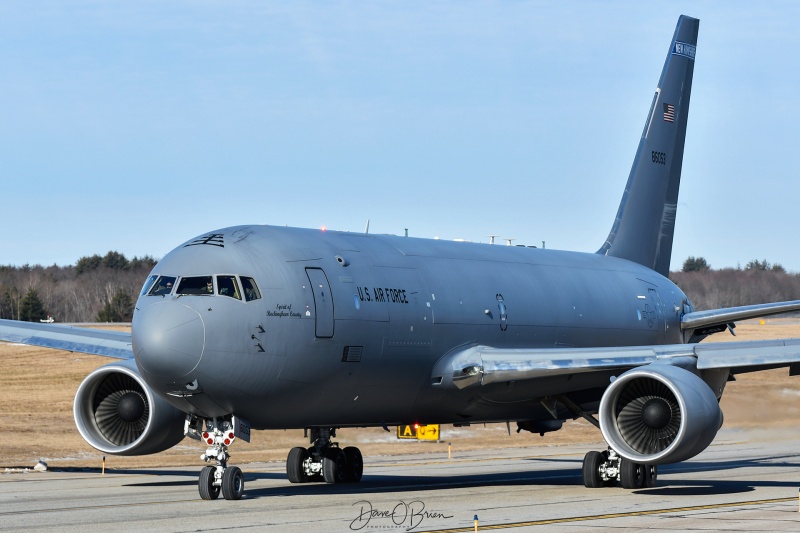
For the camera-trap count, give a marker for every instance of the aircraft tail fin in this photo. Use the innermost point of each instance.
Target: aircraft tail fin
(643, 229)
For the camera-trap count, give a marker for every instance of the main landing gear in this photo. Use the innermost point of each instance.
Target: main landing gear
(324, 460)
(605, 469)
(228, 480)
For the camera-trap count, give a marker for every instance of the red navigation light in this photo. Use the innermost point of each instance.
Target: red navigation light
(323, 228)
(205, 434)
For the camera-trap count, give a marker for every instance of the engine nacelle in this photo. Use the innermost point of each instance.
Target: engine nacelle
(117, 413)
(659, 414)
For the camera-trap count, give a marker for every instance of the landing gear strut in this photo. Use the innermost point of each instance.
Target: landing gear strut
(605, 469)
(228, 480)
(324, 460)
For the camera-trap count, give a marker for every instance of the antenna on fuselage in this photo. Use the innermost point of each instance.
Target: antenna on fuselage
(366, 230)
(491, 238)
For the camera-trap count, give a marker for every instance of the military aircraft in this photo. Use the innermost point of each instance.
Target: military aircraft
(263, 327)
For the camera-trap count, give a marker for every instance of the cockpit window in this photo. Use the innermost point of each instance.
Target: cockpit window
(196, 285)
(147, 284)
(251, 291)
(163, 286)
(227, 286)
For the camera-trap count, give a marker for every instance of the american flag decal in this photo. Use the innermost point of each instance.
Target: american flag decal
(669, 113)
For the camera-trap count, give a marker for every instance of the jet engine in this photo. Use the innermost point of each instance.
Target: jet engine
(659, 414)
(118, 414)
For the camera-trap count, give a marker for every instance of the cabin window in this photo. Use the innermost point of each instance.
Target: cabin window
(227, 286)
(196, 285)
(251, 291)
(163, 286)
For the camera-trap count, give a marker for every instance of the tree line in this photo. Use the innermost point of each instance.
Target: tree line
(758, 282)
(95, 289)
(104, 288)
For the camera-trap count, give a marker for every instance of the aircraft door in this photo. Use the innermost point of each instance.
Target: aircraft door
(323, 302)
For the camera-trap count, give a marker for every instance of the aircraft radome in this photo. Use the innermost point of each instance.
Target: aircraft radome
(275, 328)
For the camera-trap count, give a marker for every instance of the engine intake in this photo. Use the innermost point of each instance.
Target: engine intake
(659, 414)
(118, 414)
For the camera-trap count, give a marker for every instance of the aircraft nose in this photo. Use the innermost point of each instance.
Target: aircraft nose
(168, 339)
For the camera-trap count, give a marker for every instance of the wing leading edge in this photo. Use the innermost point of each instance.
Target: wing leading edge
(699, 324)
(485, 365)
(116, 344)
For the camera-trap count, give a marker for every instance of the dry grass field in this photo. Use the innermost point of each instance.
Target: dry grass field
(37, 387)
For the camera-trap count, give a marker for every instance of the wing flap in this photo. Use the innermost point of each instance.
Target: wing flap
(116, 344)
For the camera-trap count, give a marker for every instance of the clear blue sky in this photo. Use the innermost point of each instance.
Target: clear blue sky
(135, 126)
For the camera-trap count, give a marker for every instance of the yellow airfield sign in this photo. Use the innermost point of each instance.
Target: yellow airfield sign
(428, 432)
(418, 432)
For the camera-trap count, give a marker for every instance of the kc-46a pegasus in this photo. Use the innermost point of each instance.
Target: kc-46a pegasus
(267, 327)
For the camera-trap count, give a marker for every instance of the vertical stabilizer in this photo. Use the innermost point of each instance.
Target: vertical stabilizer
(645, 222)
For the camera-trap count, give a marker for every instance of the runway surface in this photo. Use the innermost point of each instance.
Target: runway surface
(746, 481)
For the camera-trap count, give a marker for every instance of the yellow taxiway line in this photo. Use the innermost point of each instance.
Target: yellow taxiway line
(484, 527)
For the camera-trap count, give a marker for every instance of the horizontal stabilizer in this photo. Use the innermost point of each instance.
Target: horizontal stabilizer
(115, 344)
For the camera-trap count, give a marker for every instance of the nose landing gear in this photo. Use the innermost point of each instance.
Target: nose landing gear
(228, 480)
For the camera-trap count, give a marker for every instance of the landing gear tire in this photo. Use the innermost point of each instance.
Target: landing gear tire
(355, 464)
(650, 476)
(591, 470)
(295, 465)
(334, 466)
(631, 475)
(208, 491)
(233, 483)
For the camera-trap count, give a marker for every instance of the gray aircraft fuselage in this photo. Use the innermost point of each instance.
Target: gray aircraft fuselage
(349, 326)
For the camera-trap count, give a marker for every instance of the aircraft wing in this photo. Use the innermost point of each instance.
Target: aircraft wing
(115, 344)
(700, 324)
(484, 365)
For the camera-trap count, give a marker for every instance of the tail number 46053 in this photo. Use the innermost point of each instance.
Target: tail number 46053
(659, 157)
